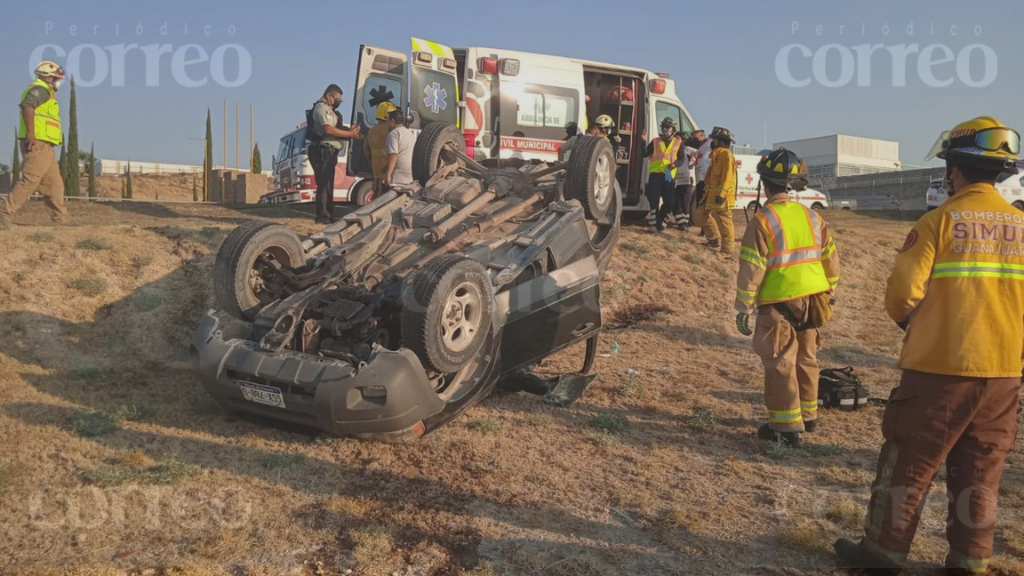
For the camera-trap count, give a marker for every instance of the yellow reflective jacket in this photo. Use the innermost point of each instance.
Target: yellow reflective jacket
(376, 150)
(721, 180)
(46, 123)
(787, 254)
(959, 279)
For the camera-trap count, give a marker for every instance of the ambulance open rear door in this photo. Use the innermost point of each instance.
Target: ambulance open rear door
(433, 78)
(381, 78)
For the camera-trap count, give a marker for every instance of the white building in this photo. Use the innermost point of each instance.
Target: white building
(841, 155)
(106, 166)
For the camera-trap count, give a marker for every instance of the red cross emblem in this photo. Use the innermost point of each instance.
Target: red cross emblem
(749, 178)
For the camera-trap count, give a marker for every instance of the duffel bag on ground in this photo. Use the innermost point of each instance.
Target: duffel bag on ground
(841, 388)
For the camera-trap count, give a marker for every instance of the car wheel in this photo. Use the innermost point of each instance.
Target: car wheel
(241, 280)
(446, 313)
(426, 154)
(1019, 205)
(754, 206)
(817, 206)
(362, 193)
(591, 176)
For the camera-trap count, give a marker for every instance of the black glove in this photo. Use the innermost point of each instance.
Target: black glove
(743, 324)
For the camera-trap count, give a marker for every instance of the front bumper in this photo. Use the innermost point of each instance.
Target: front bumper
(389, 394)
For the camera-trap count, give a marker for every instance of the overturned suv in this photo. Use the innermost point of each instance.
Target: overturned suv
(398, 317)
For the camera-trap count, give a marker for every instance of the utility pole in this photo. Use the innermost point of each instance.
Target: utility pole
(250, 134)
(236, 135)
(224, 158)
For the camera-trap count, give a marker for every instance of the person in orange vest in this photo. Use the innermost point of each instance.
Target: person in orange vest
(957, 289)
(663, 153)
(39, 131)
(720, 193)
(789, 269)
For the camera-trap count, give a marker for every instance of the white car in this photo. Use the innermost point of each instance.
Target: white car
(1010, 186)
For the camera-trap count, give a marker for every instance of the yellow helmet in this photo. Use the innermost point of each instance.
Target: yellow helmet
(983, 141)
(385, 108)
(604, 121)
(48, 69)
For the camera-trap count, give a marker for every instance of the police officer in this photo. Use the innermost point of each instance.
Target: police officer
(374, 147)
(39, 130)
(326, 133)
(788, 269)
(957, 288)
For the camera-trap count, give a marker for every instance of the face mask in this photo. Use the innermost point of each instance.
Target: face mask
(666, 134)
(56, 84)
(336, 103)
(947, 182)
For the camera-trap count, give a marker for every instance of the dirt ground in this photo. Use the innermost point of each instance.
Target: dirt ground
(114, 460)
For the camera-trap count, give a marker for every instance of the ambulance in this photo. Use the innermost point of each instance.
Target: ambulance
(293, 175)
(747, 181)
(1010, 187)
(511, 104)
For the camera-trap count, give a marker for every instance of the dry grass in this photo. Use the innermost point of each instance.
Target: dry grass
(653, 472)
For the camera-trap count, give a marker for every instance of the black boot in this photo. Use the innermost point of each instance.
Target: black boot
(854, 555)
(810, 425)
(766, 433)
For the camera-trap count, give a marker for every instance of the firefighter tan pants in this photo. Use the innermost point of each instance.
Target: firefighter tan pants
(968, 422)
(40, 172)
(790, 368)
(718, 226)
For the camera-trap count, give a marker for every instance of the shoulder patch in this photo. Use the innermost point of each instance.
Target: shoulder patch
(910, 241)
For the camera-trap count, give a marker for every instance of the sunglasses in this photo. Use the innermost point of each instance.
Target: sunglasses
(990, 140)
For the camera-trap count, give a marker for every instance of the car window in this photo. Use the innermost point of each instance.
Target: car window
(283, 151)
(433, 96)
(665, 109)
(1022, 180)
(538, 111)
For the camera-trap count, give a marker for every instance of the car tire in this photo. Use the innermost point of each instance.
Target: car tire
(817, 206)
(237, 259)
(447, 311)
(426, 154)
(1019, 205)
(362, 193)
(591, 176)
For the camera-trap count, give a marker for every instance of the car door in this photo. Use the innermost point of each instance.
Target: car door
(550, 312)
(381, 77)
(434, 87)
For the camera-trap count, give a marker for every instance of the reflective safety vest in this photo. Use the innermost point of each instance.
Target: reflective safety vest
(47, 118)
(665, 156)
(793, 268)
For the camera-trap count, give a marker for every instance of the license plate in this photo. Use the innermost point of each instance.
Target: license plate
(269, 395)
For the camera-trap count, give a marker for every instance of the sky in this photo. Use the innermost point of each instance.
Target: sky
(723, 55)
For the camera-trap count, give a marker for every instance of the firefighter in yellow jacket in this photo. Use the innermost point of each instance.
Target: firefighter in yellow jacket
(374, 145)
(720, 193)
(39, 132)
(958, 290)
(788, 270)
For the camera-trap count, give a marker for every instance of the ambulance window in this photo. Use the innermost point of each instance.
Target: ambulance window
(379, 89)
(433, 96)
(543, 110)
(539, 111)
(664, 109)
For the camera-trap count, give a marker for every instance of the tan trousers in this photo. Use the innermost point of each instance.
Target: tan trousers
(969, 423)
(40, 172)
(718, 226)
(790, 367)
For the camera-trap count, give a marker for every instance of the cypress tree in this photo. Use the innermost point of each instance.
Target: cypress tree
(208, 159)
(73, 182)
(257, 160)
(91, 166)
(128, 185)
(16, 160)
(123, 192)
(195, 191)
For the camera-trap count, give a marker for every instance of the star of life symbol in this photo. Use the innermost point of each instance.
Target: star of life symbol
(436, 97)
